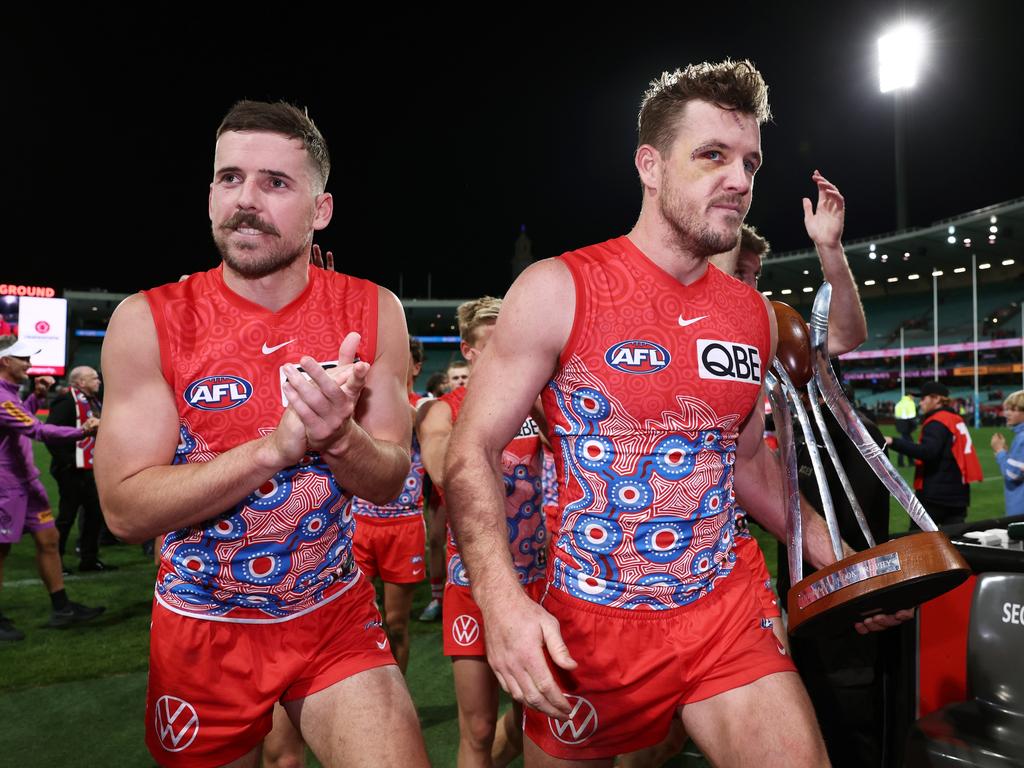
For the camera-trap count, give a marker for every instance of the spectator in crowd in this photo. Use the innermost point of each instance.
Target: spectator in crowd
(1011, 461)
(945, 459)
(71, 467)
(437, 384)
(458, 374)
(906, 415)
(24, 505)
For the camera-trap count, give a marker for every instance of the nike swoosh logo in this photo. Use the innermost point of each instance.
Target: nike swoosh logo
(382, 644)
(271, 350)
(417, 572)
(684, 322)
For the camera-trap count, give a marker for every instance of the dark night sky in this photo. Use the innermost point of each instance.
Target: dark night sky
(447, 135)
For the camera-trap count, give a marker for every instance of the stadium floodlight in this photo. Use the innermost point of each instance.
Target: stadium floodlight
(914, 276)
(766, 293)
(986, 265)
(993, 229)
(872, 255)
(869, 282)
(786, 291)
(937, 273)
(807, 289)
(1007, 262)
(951, 240)
(951, 230)
(959, 270)
(992, 220)
(892, 279)
(900, 53)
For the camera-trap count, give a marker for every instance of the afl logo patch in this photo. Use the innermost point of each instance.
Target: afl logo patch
(637, 356)
(729, 361)
(218, 393)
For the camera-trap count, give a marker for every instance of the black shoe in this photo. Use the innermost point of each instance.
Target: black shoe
(73, 613)
(9, 632)
(95, 565)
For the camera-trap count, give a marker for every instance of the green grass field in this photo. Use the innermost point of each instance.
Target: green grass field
(76, 696)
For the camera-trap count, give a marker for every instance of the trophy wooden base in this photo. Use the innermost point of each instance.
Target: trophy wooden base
(898, 574)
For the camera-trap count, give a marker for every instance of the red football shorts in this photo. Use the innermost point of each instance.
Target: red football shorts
(213, 684)
(748, 550)
(391, 548)
(636, 668)
(464, 623)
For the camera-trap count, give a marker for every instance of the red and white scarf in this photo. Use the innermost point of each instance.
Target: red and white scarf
(85, 408)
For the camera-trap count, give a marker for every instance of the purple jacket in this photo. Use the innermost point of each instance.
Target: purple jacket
(18, 428)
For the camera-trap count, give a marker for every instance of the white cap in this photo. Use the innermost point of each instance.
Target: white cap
(20, 349)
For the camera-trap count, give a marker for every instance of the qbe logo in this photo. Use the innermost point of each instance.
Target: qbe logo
(728, 361)
(218, 393)
(579, 726)
(637, 356)
(176, 723)
(465, 630)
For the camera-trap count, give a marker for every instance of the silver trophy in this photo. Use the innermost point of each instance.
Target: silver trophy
(897, 574)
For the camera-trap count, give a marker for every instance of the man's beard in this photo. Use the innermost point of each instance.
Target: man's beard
(253, 267)
(695, 236)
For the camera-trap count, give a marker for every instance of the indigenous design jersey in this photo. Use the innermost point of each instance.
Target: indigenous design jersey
(521, 466)
(645, 407)
(409, 502)
(287, 547)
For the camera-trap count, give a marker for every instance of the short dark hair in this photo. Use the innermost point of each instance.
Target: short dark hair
(733, 85)
(416, 349)
(285, 119)
(753, 241)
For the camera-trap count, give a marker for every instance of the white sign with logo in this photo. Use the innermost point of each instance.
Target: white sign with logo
(44, 324)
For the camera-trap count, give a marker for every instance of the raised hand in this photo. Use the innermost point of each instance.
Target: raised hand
(317, 259)
(326, 401)
(43, 385)
(825, 224)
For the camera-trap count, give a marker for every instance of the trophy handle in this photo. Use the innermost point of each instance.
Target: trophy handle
(828, 384)
(784, 432)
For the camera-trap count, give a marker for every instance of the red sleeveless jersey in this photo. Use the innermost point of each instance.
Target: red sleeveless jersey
(522, 469)
(644, 409)
(409, 502)
(962, 448)
(287, 547)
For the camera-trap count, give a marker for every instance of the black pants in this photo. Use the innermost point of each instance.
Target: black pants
(905, 428)
(78, 491)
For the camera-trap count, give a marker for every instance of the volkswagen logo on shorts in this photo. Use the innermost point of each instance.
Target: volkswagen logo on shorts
(579, 726)
(465, 630)
(176, 722)
(637, 356)
(218, 393)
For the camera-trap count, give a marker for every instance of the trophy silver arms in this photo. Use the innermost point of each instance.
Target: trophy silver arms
(812, 449)
(787, 451)
(828, 385)
(833, 454)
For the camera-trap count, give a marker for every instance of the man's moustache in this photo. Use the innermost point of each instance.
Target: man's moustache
(251, 221)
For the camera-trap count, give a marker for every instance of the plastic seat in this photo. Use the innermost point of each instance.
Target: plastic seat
(987, 730)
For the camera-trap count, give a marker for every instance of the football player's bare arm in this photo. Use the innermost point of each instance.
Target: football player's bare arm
(141, 493)
(434, 429)
(847, 327)
(534, 324)
(357, 415)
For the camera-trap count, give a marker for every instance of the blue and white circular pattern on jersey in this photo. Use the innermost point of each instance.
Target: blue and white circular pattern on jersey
(186, 444)
(230, 528)
(457, 572)
(663, 539)
(713, 502)
(675, 457)
(589, 404)
(596, 534)
(195, 563)
(629, 493)
(261, 602)
(194, 594)
(271, 494)
(686, 593)
(594, 452)
(591, 588)
(313, 525)
(262, 564)
(703, 562)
